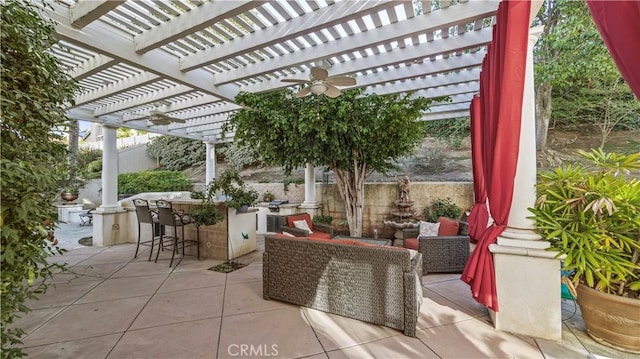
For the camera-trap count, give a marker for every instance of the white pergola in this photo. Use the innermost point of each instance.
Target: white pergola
(190, 58)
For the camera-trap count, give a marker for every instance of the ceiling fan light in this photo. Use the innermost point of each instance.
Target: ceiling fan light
(318, 88)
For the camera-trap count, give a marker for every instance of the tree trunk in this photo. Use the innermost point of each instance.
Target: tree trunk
(74, 133)
(351, 188)
(543, 114)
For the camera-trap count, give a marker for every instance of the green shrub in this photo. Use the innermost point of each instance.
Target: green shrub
(318, 218)
(93, 170)
(177, 153)
(89, 163)
(153, 181)
(442, 208)
(34, 90)
(289, 180)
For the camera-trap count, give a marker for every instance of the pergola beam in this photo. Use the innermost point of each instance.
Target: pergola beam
(141, 100)
(408, 54)
(85, 12)
(100, 38)
(91, 67)
(425, 83)
(190, 22)
(115, 88)
(311, 22)
(445, 115)
(405, 29)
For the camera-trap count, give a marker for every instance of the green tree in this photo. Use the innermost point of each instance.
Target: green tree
(449, 130)
(34, 90)
(353, 135)
(177, 153)
(572, 64)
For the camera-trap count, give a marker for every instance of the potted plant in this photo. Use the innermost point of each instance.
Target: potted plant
(590, 213)
(70, 193)
(268, 197)
(238, 195)
(205, 214)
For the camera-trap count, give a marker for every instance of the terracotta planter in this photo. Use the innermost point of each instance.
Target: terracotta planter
(610, 319)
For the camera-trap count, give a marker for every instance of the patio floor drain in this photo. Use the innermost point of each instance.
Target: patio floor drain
(227, 267)
(86, 241)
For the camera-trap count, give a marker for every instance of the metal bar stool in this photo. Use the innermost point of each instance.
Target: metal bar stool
(149, 216)
(168, 216)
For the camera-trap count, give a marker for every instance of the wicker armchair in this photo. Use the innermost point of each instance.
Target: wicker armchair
(442, 253)
(320, 230)
(371, 283)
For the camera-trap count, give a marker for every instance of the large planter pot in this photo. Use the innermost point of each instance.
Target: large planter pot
(610, 319)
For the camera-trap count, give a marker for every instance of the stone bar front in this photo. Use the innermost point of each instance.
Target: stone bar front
(233, 237)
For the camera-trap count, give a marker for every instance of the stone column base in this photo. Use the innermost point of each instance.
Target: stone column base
(111, 226)
(311, 208)
(528, 286)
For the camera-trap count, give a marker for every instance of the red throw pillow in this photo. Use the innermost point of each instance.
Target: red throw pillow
(297, 217)
(318, 234)
(448, 227)
(411, 243)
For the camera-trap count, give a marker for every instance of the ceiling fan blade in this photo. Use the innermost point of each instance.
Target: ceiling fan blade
(159, 121)
(341, 80)
(298, 81)
(177, 120)
(318, 73)
(332, 91)
(304, 92)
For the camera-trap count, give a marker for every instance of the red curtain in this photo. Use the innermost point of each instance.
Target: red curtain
(479, 216)
(501, 131)
(619, 25)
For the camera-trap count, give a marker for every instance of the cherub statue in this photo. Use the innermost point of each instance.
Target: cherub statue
(403, 187)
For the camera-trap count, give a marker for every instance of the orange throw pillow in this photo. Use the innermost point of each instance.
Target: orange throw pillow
(448, 227)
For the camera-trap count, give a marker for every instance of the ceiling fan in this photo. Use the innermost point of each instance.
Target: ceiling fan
(321, 83)
(158, 117)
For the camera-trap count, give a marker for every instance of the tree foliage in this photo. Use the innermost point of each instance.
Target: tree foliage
(574, 69)
(177, 153)
(353, 135)
(450, 130)
(33, 91)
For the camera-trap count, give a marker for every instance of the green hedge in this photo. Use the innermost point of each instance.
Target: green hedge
(153, 181)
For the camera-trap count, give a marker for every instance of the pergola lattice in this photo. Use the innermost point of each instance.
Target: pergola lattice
(189, 58)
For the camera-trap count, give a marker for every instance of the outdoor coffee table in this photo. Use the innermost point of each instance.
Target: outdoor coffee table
(380, 242)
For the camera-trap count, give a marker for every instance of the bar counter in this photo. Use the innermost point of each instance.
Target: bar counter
(233, 237)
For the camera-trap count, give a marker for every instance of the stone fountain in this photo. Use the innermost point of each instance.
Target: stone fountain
(403, 215)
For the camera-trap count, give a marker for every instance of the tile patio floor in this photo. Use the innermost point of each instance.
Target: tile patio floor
(119, 307)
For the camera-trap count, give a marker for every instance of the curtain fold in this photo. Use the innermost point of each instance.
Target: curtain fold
(479, 216)
(619, 25)
(501, 129)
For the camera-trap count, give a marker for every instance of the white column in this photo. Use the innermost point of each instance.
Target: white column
(310, 204)
(309, 185)
(210, 162)
(109, 168)
(519, 231)
(527, 276)
(110, 221)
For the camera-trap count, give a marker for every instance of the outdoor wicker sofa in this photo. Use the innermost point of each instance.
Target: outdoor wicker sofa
(442, 253)
(376, 284)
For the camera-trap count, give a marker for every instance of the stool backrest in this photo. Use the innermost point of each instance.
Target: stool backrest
(143, 212)
(166, 216)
